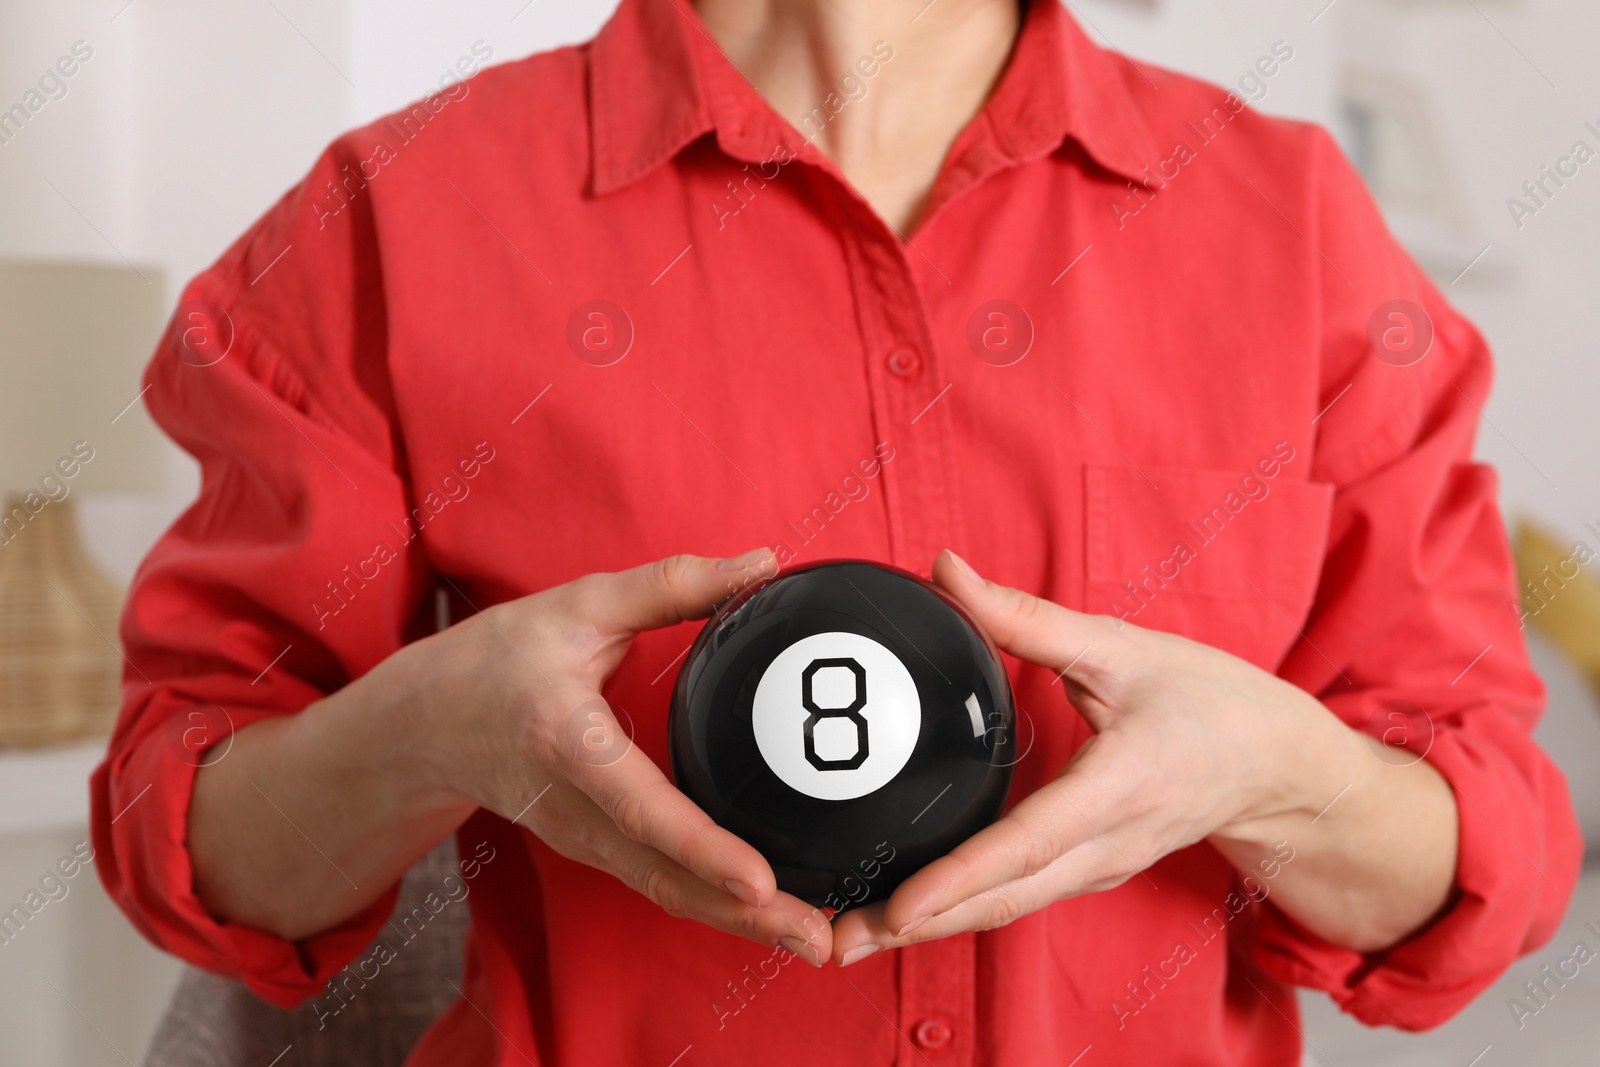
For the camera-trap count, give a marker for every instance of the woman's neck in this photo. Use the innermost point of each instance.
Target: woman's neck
(881, 88)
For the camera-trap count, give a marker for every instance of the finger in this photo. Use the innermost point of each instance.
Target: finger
(576, 827)
(859, 933)
(669, 591)
(1091, 867)
(555, 817)
(646, 808)
(1029, 838)
(1070, 642)
(788, 922)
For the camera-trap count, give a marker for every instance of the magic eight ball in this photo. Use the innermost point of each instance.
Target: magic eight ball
(850, 721)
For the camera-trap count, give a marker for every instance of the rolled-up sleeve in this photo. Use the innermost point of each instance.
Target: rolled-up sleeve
(1415, 634)
(294, 571)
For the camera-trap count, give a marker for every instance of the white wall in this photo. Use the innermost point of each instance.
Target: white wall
(1220, 40)
(192, 117)
(1484, 66)
(402, 47)
(188, 121)
(1486, 71)
(77, 986)
(1534, 292)
(1483, 69)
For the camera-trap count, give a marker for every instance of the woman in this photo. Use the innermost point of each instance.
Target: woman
(843, 282)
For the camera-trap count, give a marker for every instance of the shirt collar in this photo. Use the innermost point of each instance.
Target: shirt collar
(658, 83)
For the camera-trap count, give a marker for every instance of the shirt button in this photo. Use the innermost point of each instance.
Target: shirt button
(905, 362)
(932, 1034)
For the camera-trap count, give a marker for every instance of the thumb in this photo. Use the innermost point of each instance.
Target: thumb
(1070, 643)
(678, 588)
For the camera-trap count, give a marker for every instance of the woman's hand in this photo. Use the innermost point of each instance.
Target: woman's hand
(1189, 743)
(533, 740)
(501, 711)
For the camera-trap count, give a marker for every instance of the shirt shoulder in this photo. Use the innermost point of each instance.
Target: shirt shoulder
(1276, 201)
(309, 276)
(1182, 110)
(523, 121)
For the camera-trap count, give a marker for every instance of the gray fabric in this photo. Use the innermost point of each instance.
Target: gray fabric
(213, 1022)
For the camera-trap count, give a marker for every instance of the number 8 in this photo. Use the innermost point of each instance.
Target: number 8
(852, 712)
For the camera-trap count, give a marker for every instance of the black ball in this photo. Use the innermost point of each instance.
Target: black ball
(850, 721)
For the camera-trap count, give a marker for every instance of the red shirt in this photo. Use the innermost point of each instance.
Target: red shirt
(1122, 361)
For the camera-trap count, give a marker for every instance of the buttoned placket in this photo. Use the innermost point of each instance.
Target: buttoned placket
(935, 1011)
(894, 283)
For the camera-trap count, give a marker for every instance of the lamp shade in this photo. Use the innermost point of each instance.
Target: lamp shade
(74, 338)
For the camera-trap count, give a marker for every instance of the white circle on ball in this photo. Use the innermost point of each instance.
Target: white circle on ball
(860, 694)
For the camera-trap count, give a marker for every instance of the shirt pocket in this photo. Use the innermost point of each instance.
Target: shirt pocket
(1229, 558)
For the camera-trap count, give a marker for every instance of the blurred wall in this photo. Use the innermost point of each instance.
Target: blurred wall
(191, 118)
(1492, 92)
(1509, 86)
(184, 123)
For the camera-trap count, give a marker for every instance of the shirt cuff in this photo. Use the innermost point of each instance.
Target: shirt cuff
(139, 800)
(1517, 863)
(1516, 867)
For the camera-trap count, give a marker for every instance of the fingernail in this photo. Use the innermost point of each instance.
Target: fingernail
(740, 562)
(964, 567)
(802, 949)
(912, 925)
(743, 892)
(857, 954)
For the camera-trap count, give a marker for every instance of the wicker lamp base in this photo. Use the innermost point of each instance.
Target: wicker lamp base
(1558, 598)
(59, 671)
